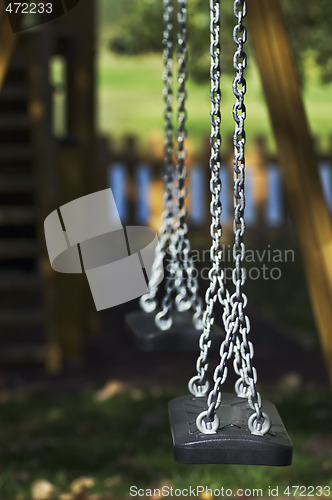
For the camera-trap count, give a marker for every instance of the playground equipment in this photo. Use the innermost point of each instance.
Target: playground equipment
(178, 324)
(209, 426)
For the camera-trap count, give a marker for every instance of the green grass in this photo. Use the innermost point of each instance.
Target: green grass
(130, 93)
(130, 101)
(125, 440)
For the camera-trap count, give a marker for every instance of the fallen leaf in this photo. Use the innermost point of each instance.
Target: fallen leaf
(164, 483)
(66, 496)
(290, 381)
(206, 495)
(137, 394)
(110, 389)
(327, 465)
(82, 484)
(113, 481)
(43, 490)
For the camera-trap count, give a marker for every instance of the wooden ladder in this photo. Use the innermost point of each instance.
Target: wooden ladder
(22, 315)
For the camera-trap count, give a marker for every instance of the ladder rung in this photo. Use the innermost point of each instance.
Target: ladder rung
(23, 352)
(15, 153)
(14, 120)
(14, 91)
(10, 183)
(19, 281)
(18, 248)
(17, 216)
(21, 317)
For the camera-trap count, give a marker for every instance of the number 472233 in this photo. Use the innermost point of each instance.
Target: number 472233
(29, 8)
(308, 491)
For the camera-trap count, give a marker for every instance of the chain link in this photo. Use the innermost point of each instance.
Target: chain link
(181, 281)
(244, 348)
(198, 385)
(181, 244)
(237, 325)
(148, 302)
(187, 286)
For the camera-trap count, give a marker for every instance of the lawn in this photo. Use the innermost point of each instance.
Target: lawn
(119, 437)
(130, 101)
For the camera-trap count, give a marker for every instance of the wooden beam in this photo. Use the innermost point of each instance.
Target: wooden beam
(47, 193)
(80, 24)
(67, 171)
(297, 158)
(7, 43)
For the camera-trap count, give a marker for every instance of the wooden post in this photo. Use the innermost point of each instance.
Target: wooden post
(297, 158)
(131, 160)
(203, 159)
(78, 162)
(67, 172)
(7, 43)
(105, 156)
(258, 164)
(73, 318)
(47, 189)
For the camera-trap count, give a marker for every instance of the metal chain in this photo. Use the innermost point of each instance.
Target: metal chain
(148, 301)
(248, 374)
(237, 322)
(198, 385)
(187, 285)
(180, 281)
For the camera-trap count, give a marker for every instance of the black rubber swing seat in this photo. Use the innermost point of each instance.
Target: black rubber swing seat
(181, 336)
(233, 443)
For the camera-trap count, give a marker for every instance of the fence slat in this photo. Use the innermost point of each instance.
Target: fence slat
(143, 184)
(197, 194)
(326, 180)
(250, 209)
(274, 205)
(117, 180)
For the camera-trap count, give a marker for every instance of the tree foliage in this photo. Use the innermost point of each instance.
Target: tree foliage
(309, 27)
(308, 24)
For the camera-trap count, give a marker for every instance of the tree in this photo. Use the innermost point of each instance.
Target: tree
(308, 24)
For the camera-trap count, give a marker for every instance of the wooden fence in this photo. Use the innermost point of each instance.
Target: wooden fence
(136, 181)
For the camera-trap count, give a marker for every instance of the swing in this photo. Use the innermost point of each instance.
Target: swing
(210, 426)
(178, 325)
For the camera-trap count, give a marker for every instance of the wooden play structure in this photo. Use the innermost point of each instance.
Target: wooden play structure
(42, 168)
(297, 159)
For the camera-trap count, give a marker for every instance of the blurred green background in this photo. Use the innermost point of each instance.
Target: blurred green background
(129, 73)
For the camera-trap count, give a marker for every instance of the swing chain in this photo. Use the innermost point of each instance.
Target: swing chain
(239, 140)
(198, 386)
(148, 301)
(181, 243)
(187, 285)
(181, 280)
(237, 324)
(244, 349)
